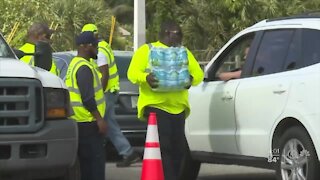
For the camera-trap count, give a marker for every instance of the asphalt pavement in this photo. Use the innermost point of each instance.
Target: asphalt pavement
(207, 172)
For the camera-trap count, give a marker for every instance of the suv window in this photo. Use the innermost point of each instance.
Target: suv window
(123, 62)
(5, 51)
(233, 58)
(293, 59)
(311, 47)
(272, 51)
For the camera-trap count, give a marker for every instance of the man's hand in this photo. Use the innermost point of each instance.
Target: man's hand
(152, 81)
(226, 76)
(101, 123)
(102, 126)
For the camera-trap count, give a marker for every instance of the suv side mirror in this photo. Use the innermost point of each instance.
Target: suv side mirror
(43, 55)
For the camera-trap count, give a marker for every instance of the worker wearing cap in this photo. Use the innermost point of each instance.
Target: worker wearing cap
(110, 80)
(88, 105)
(37, 32)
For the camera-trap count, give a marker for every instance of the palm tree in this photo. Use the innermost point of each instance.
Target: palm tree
(70, 15)
(73, 14)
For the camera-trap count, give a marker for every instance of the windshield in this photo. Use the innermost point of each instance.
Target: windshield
(5, 51)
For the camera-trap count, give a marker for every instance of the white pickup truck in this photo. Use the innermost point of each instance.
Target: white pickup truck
(37, 140)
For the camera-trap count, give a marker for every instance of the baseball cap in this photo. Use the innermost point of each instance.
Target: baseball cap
(86, 37)
(90, 27)
(40, 28)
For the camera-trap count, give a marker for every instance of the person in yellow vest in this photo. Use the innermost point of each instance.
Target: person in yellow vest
(88, 105)
(110, 81)
(171, 107)
(37, 32)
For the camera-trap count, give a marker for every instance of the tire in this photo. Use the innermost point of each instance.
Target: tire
(297, 156)
(190, 168)
(73, 173)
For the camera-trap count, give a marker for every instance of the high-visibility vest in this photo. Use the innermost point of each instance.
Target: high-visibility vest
(80, 113)
(95, 65)
(30, 48)
(113, 82)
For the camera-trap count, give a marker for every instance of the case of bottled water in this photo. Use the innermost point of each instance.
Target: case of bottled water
(170, 67)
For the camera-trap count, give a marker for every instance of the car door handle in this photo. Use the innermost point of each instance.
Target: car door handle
(227, 98)
(279, 91)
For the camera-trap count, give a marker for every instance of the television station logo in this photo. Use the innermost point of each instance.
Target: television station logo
(275, 155)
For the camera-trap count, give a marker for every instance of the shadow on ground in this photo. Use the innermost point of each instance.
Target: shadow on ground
(249, 176)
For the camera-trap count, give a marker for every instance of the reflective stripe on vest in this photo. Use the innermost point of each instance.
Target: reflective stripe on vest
(95, 65)
(81, 114)
(113, 82)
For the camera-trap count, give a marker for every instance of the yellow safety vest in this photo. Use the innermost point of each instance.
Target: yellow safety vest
(81, 114)
(95, 65)
(173, 102)
(113, 82)
(30, 48)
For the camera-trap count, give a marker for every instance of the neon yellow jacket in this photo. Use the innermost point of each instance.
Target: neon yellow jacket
(30, 48)
(171, 102)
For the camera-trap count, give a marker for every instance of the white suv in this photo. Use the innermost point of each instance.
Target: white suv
(270, 116)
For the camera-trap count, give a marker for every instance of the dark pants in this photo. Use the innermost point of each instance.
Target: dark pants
(173, 144)
(91, 152)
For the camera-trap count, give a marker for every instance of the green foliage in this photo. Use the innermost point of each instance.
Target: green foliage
(157, 11)
(70, 15)
(123, 13)
(206, 24)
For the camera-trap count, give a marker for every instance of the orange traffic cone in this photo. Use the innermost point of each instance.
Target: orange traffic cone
(152, 164)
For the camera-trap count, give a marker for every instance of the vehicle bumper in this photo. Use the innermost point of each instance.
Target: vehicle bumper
(53, 147)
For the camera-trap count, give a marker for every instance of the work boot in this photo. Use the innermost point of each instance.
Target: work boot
(127, 161)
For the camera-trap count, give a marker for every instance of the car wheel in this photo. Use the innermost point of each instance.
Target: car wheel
(189, 168)
(298, 159)
(73, 173)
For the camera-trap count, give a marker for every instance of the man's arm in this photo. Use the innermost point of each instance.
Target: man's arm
(85, 83)
(194, 69)
(102, 63)
(226, 76)
(105, 76)
(136, 71)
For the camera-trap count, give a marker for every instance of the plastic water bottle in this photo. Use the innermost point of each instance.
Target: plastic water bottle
(159, 73)
(172, 75)
(183, 74)
(170, 66)
(156, 56)
(170, 57)
(183, 56)
(184, 77)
